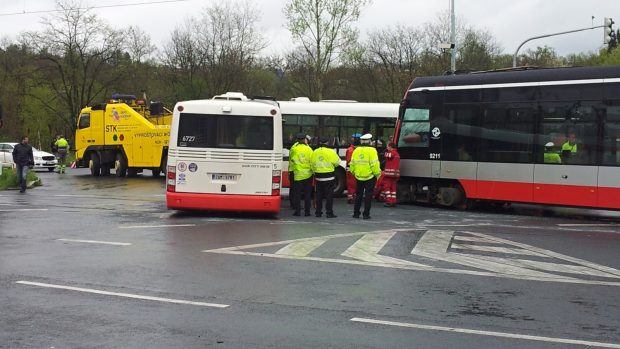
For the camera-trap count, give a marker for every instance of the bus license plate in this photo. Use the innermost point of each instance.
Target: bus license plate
(223, 177)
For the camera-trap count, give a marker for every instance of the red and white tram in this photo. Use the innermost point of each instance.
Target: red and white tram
(546, 136)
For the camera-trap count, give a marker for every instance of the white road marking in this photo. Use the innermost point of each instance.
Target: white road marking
(124, 295)
(495, 249)
(368, 246)
(97, 242)
(156, 226)
(588, 225)
(301, 249)
(489, 333)
(435, 247)
(25, 209)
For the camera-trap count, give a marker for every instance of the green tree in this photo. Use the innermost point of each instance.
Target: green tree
(324, 29)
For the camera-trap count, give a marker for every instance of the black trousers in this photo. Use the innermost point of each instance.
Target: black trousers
(303, 188)
(291, 189)
(364, 190)
(325, 190)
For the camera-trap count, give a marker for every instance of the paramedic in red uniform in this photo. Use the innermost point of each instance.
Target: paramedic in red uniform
(351, 183)
(391, 174)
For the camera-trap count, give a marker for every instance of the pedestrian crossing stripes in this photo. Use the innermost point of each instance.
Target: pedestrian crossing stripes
(445, 251)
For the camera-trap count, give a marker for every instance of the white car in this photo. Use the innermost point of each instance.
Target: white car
(42, 160)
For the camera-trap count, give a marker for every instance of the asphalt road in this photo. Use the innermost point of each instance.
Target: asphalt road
(100, 263)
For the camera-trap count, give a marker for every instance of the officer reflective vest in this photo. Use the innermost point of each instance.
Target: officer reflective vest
(291, 153)
(392, 164)
(324, 161)
(302, 167)
(365, 163)
(62, 143)
(552, 158)
(567, 146)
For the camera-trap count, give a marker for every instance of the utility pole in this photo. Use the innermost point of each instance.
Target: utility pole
(452, 38)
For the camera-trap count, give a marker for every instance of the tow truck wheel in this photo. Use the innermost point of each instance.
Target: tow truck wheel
(120, 165)
(95, 164)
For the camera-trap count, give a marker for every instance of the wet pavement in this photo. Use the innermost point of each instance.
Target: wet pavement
(101, 263)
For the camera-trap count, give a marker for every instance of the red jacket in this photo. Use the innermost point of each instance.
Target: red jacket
(392, 164)
(349, 154)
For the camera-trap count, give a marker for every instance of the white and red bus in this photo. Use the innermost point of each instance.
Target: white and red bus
(226, 155)
(338, 120)
(483, 136)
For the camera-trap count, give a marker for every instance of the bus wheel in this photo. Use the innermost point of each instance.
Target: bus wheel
(95, 164)
(155, 172)
(120, 165)
(341, 182)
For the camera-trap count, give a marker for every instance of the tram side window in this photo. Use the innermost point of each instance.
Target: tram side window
(571, 128)
(611, 136)
(507, 134)
(458, 140)
(415, 128)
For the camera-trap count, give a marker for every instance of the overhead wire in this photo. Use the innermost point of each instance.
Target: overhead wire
(93, 7)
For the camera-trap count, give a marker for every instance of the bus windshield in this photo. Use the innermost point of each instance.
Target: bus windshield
(225, 131)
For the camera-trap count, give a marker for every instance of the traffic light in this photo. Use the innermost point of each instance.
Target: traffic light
(608, 30)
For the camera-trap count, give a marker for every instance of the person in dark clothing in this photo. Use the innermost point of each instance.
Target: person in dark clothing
(23, 159)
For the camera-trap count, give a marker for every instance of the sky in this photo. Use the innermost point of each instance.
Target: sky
(510, 22)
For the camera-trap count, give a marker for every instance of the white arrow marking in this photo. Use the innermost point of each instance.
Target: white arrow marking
(368, 246)
(495, 249)
(301, 249)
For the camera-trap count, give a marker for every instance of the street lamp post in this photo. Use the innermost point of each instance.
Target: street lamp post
(514, 57)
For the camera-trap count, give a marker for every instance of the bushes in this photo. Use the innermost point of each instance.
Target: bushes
(8, 179)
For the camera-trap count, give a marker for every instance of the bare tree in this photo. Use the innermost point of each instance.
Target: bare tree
(138, 44)
(81, 55)
(324, 28)
(214, 53)
(394, 53)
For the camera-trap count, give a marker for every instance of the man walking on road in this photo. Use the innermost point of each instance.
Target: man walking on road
(23, 159)
(366, 169)
(324, 161)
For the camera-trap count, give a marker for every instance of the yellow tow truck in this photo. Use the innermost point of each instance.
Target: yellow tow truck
(125, 135)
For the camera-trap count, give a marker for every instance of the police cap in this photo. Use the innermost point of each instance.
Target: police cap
(323, 140)
(300, 135)
(366, 137)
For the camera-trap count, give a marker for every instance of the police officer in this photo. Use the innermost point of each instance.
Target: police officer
(62, 147)
(324, 161)
(302, 178)
(551, 157)
(291, 175)
(366, 169)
